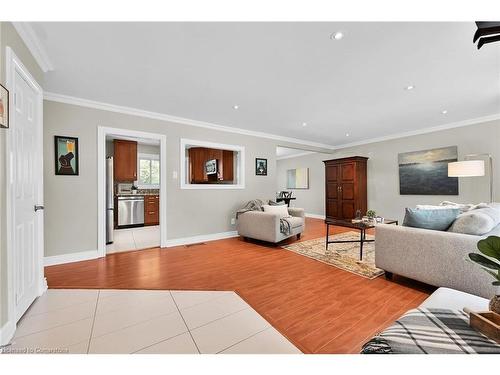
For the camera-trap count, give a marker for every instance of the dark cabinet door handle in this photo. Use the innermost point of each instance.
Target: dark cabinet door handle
(38, 207)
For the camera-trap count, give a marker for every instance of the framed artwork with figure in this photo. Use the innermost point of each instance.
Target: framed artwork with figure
(4, 107)
(66, 155)
(260, 167)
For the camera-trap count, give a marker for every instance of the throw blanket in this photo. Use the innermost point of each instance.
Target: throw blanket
(256, 205)
(431, 331)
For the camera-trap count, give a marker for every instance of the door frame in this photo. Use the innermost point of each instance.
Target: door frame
(102, 132)
(13, 65)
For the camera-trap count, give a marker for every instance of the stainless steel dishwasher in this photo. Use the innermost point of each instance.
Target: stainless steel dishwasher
(130, 211)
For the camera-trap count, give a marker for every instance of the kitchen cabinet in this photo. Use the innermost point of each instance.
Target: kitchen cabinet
(151, 209)
(125, 160)
(198, 156)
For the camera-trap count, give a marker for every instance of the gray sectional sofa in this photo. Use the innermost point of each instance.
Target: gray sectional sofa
(435, 257)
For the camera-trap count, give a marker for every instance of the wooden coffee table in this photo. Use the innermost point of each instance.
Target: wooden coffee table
(362, 227)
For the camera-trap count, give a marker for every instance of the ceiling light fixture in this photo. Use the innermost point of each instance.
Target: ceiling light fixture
(444, 111)
(236, 106)
(347, 134)
(409, 87)
(337, 35)
(304, 124)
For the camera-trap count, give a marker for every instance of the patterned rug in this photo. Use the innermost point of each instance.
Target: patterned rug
(342, 255)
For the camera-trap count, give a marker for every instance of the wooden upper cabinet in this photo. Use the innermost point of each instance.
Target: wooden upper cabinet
(345, 187)
(125, 160)
(227, 165)
(198, 156)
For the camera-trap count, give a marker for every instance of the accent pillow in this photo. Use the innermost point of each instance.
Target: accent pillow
(464, 207)
(431, 207)
(430, 219)
(282, 210)
(476, 222)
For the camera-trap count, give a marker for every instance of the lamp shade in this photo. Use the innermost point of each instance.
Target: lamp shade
(466, 168)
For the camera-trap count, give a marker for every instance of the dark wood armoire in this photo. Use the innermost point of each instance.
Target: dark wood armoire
(345, 187)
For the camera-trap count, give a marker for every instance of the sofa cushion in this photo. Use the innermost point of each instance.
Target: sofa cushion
(281, 211)
(430, 219)
(446, 298)
(295, 222)
(476, 222)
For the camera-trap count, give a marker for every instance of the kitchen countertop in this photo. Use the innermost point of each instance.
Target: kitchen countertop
(135, 195)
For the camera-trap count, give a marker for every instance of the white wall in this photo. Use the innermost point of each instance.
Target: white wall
(312, 200)
(71, 201)
(383, 174)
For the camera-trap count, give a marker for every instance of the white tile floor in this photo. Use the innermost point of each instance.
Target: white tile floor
(145, 321)
(134, 239)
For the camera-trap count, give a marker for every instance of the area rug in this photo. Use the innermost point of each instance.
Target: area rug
(341, 255)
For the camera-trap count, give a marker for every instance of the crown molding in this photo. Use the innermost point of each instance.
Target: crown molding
(179, 120)
(34, 45)
(433, 129)
(296, 155)
(50, 96)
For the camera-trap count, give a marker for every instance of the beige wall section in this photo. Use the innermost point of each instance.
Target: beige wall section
(9, 37)
(148, 149)
(383, 174)
(312, 200)
(71, 201)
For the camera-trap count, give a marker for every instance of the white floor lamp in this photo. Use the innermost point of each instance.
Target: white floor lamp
(472, 168)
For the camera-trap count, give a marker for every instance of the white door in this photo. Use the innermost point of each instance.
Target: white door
(26, 192)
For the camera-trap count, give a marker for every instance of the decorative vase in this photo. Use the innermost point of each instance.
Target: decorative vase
(495, 302)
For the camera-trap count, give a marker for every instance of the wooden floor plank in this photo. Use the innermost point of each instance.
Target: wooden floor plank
(318, 307)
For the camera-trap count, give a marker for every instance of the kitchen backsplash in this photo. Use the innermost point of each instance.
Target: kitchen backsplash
(148, 191)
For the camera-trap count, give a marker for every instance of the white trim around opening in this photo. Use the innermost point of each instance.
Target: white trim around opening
(102, 132)
(240, 165)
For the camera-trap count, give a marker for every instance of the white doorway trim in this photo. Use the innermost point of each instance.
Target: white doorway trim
(13, 65)
(102, 132)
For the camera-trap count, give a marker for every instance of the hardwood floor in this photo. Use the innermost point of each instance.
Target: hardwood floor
(320, 308)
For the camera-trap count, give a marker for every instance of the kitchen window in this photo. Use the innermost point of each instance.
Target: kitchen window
(149, 171)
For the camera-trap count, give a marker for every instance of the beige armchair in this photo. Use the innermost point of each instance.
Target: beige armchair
(265, 226)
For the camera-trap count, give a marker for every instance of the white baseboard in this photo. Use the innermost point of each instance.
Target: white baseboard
(70, 258)
(315, 216)
(94, 254)
(7, 332)
(201, 238)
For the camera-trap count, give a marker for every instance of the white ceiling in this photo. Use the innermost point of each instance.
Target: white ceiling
(287, 152)
(281, 74)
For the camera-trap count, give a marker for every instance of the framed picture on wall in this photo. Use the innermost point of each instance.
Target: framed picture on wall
(66, 155)
(4, 107)
(426, 172)
(297, 178)
(260, 167)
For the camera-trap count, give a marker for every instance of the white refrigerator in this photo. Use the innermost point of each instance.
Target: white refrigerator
(110, 201)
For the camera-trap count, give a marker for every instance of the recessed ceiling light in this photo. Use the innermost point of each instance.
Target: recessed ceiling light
(347, 134)
(409, 87)
(236, 106)
(304, 124)
(337, 35)
(444, 111)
